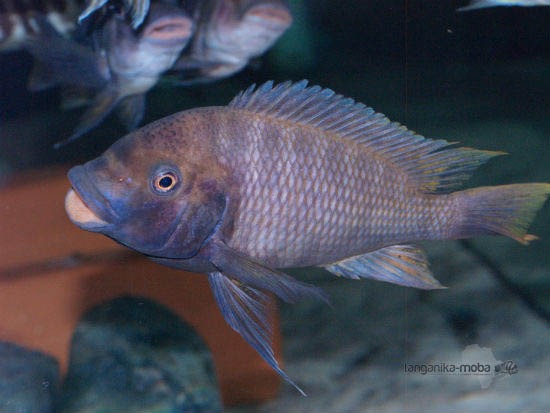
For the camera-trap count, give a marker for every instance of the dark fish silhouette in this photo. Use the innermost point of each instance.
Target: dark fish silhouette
(121, 64)
(289, 176)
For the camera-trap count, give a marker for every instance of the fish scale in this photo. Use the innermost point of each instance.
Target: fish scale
(339, 202)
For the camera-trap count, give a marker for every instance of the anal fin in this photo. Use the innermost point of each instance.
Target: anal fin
(399, 264)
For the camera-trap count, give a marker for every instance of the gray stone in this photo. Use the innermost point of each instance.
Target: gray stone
(133, 355)
(28, 380)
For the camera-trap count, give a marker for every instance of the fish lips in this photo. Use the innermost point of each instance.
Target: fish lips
(170, 29)
(272, 14)
(86, 205)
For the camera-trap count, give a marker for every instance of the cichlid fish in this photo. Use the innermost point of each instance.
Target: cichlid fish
(136, 9)
(290, 176)
(17, 19)
(230, 33)
(122, 65)
(482, 4)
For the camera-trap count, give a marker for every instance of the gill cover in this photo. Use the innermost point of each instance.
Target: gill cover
(199, 220)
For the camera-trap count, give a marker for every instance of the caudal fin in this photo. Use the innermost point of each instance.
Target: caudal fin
(506, 210)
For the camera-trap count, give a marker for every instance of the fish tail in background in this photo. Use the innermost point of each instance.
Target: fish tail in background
(506, 210)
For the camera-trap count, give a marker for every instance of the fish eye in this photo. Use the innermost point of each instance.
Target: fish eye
(165, 182)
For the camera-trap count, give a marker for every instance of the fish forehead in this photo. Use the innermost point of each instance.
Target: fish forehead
(185, 138)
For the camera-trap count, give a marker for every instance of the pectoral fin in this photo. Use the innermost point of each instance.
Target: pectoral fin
(102, 105)
(245, 310)
(237, 286)
(399, 264)
(131, 110)
(193, 71)
(245, 269)
(60, 61)
(93, 5)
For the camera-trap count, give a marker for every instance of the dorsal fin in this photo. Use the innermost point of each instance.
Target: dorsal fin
(432, 164)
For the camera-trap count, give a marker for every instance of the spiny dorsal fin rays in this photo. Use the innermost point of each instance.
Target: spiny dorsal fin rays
(431, 164)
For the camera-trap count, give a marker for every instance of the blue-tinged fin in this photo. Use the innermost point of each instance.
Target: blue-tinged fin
(399, 264)
(505, 209)
(131, 110)
(482, 4)
(237, 289)
(137, 9)
(93, 5)
(245, 310)
(247, 270)
(432, 165)
(60, 61)
(75, 97)
(102, 105)
(191, 71)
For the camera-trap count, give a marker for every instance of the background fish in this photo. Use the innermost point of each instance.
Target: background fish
(481, 4)
(289, 176)
(17, 19)
(136, 9)
(230, 33)
(122, 64)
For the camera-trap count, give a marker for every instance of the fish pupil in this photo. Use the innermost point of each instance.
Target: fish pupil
(165, 182)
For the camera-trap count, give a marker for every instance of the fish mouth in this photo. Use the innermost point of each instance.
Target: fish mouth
(269, 13)
(85, 205)
(169, 29)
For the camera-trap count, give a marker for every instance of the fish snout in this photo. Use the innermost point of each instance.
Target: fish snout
(85, 205)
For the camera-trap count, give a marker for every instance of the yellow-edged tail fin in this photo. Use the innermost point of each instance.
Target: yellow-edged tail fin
(506, 210)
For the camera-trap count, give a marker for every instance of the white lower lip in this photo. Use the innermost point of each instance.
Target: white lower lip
(79, 213)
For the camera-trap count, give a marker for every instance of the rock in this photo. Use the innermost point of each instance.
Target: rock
(133, 355)
(28, 380)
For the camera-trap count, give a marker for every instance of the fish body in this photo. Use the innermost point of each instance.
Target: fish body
(17, 19)
(229, 34)
(482, 4)
(119, 63)
(289, 176)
